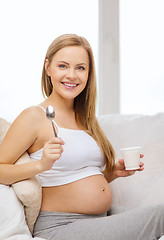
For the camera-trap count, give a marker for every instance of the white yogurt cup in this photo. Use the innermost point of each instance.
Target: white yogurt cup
(131, 157)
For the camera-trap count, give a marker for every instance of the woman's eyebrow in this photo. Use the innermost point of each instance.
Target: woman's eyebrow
(82, 64)
(76, 64)
(63, 62)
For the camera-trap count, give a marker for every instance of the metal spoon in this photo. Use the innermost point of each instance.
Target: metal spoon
(50, 114)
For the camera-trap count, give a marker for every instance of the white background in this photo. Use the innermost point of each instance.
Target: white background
(142, 56)
(27, 28)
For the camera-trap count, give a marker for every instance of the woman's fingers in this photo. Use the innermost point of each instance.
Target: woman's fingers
(54, 147)
(141, 164)
(56, 140)
(54, 143)
(51, 152)
(122, 172)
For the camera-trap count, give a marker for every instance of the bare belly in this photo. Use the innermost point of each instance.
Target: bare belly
(90, 195)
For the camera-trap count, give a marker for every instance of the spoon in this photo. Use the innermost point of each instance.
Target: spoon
(50, 114)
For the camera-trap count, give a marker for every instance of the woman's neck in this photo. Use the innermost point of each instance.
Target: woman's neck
(64, 111)
(67, 105)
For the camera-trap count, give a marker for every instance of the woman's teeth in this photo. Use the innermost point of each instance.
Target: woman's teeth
(70, 84)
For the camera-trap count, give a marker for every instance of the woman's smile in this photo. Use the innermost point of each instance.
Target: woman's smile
(70, 85)
(69, 67)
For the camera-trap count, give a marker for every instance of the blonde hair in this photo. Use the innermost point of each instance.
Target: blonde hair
(85, 102)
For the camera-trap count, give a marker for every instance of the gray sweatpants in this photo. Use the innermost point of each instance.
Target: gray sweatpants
(141, 223)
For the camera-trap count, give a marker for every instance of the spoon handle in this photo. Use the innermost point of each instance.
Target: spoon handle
(54, 130)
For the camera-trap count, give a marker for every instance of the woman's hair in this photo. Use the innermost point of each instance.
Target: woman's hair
(85, 102)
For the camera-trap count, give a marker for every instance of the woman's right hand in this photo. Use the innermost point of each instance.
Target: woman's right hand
(52, 151)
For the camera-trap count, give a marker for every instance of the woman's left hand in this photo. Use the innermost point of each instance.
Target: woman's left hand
(120, 170)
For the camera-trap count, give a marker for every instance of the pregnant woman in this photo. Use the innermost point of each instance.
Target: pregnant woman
(75, 167)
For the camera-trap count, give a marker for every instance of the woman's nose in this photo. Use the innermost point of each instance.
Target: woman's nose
(71, 74)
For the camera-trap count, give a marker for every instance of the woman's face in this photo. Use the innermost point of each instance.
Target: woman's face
(69, 71)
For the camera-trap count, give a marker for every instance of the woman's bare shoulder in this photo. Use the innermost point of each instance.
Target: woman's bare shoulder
(29, 116)
(33, 112)
(22, 133)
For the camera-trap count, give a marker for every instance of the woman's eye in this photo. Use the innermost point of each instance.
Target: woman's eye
(81, 68)
(62, 66)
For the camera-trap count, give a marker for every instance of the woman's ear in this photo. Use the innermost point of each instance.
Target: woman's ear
(47, 67)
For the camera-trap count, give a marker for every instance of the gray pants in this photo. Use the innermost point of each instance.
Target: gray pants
(141, 223)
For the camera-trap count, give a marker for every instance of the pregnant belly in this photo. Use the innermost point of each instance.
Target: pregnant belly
(90, 195)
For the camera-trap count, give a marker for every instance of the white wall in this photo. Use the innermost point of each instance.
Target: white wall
(131, 36)
(131, 56)
(109, 93)
(142, 56)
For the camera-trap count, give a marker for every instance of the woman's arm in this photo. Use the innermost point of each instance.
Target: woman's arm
(10, 173)
(20, 136)
(119, 171)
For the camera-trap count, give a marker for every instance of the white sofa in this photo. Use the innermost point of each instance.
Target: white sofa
(148, 132)
(141, 188)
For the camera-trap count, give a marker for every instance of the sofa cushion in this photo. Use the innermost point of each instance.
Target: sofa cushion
(29, 191)
(138, 130)
(12, 219)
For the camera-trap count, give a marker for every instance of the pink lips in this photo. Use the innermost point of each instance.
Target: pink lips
(69, 85)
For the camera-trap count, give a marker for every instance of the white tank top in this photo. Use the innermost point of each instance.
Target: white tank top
(81, 158)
